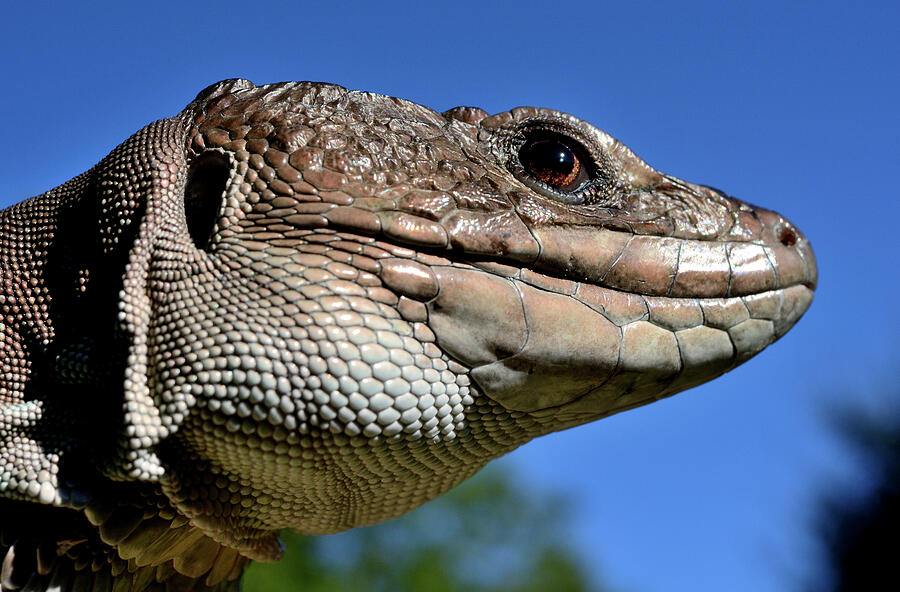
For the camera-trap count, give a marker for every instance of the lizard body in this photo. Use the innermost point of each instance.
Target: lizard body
(298, 306)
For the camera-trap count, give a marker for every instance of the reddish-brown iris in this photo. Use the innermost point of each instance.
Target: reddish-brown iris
(551, 162)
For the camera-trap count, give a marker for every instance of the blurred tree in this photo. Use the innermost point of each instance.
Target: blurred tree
(860, 526)
(487, 535)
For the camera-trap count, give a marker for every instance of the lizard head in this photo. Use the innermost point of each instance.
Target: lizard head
(337, 305)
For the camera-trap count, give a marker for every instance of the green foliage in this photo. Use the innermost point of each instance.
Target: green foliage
(487, 535)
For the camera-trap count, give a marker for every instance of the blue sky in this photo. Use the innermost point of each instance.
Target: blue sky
(793, 106)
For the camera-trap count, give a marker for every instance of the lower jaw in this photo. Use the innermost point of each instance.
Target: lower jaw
(596, 350)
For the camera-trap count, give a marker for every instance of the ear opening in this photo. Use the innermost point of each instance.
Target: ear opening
(204, 192)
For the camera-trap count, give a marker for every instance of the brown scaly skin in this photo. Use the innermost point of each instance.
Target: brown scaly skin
(297, 306)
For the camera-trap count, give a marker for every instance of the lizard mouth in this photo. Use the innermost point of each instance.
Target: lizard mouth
(620, 320)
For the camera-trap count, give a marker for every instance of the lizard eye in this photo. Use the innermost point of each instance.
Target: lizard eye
(207, 179)
(555, 161)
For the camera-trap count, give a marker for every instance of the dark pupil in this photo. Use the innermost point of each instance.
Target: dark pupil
(550, 161)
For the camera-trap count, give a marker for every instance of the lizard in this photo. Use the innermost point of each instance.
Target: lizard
(300, 306)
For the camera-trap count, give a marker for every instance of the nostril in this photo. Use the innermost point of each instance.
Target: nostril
(788, 237)
(203, 193)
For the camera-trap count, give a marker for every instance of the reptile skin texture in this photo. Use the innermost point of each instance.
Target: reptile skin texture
(298, 306)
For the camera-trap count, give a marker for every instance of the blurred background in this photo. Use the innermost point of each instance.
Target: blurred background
(747, 483)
